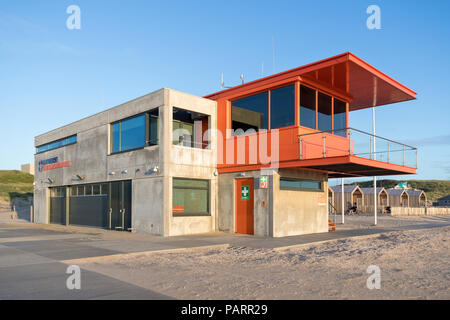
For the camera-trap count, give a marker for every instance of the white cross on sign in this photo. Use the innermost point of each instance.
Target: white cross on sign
(245, 193)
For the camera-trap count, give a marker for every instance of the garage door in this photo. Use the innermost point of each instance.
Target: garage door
(103, 205)
(88, 205)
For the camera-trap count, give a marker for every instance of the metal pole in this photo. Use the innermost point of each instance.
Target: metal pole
(301, 154)
(342, 199)
(375, 197)
(324, 153)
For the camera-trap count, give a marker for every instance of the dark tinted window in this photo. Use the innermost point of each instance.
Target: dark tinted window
(136, 132)
(339, 117)
(307, 107)
(324, 112)
(293, 184)
(282, 107)
(251, 112)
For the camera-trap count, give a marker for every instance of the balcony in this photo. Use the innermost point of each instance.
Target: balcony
(351, 153)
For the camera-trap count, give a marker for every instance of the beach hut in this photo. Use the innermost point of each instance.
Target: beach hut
(382, 199)
(417, 198)
(352, 195)
(398, 197)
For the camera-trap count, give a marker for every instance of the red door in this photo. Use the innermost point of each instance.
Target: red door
(244, 206)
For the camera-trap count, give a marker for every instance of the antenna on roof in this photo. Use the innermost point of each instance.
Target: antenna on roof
(222, 83)
(273, 53)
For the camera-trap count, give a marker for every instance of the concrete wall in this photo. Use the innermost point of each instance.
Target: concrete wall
(299, 212)
(286, 212)
(151, 200)
(424, 211)
(192, 163)
(263, 223)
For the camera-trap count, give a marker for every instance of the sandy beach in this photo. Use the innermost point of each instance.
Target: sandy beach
(414, 265)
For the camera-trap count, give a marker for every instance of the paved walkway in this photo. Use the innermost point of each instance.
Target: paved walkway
(34, 258)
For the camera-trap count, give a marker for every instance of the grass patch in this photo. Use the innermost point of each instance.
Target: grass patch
(15, 184)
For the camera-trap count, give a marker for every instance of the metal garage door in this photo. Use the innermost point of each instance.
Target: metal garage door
(88, 205)
(103, 205)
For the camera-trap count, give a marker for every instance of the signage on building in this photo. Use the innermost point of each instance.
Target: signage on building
(263, 182)
(51, 163)
(245, 193)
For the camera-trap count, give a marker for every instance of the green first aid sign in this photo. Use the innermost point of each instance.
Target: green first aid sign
(245, 193)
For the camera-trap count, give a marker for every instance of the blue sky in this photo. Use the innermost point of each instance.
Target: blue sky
(51, 76)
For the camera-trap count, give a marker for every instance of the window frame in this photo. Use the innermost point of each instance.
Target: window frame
(205, 145)
(192, 214)
(62, 146)
(320, 189)
(147, 132)
(297, 105)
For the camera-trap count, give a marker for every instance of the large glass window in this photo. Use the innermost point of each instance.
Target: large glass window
(307, 107)
(324, 112)
(340, 121)
(282, 107)
(250, 112)
(190, 129)
(57, 144)
(295, 184)
(190, 197)
(136, 132)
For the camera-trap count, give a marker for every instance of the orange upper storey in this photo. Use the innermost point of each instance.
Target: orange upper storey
(345, 76)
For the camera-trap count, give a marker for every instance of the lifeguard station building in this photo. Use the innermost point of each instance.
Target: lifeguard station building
(253, 159)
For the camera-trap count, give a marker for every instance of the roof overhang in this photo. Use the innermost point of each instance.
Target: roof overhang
(363, 85)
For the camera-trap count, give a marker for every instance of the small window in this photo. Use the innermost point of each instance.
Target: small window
(190, 129)
(57, 144)
(105, 189)
(250, 113)
(88, 190)
(80, 191)
(96, 189)
(190, 197)
(295, 184)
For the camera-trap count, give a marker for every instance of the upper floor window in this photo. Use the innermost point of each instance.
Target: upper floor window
(282, 107)
(57, 144)
(250, 113)
(135, 132)
(324, 112)
(307, 107)
(190, 129)
(340, 117)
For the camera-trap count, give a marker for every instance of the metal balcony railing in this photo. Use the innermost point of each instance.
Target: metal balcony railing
(350, 141)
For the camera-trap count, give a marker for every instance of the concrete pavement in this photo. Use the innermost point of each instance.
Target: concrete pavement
(34, 258)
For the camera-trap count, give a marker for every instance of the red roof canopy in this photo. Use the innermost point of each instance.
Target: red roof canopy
(364, 85)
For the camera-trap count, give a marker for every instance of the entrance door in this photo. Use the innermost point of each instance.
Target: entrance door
(120, 205)
(244, 206)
